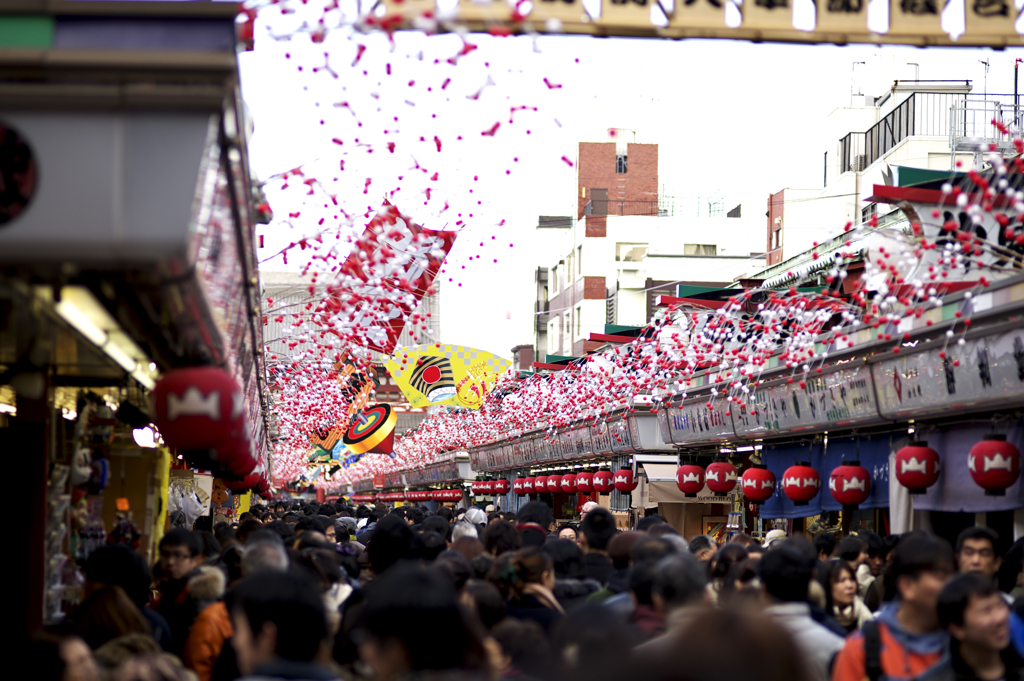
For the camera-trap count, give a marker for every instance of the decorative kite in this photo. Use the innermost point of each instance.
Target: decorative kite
(445, 374)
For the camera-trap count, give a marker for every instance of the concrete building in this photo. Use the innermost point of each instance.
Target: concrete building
(892, 125)
(625, 248)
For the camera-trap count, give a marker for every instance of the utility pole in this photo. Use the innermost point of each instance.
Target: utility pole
(985, 62)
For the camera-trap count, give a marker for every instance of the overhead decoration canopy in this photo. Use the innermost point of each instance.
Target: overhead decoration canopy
(445, 374)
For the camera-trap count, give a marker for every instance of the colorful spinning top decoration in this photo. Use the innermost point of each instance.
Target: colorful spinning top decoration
(375, 433)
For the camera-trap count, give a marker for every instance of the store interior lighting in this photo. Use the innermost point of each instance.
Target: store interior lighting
(144, 437)
(80, 309)
(8, 409)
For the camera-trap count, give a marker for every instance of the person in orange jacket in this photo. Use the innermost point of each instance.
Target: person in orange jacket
(211, 627)
(906, 640)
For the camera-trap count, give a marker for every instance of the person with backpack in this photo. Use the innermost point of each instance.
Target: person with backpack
(906, 641)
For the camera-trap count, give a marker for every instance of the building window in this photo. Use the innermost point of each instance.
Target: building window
(579, 315)
(630, 252)
(579, 260)
(778, 239)
(700, 249)
(620, 163)
(554, 280)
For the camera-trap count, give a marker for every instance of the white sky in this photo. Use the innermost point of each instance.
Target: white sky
(736, 118)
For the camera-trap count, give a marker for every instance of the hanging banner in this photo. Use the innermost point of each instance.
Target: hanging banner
(445, 374)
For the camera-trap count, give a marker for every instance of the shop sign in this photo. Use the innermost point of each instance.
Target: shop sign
(834, 399)
(601, 438)
(983, 372)
(622, 442)
(645, 433)
(378, 481)
(696, 421)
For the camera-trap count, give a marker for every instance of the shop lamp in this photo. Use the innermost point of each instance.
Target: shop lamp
(80, 309)
(144, 437)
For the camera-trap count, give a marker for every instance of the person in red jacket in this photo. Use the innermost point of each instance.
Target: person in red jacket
(906, 641)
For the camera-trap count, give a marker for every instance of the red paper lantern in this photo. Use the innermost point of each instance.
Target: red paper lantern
(690, 479)
(246, 483)
(624, 481)
(801, 483)
(917, 467)
(585, 483)
(569, 483)
(519, 486)
(455, 495)
(758, 484)
(603, 482)
(236, 458)
(502, 486)
(554, 483)
(994, 464)
(439, 494)
(540, 484)
(850, 484)
(721, 477)
(198, 408)
(528, 485)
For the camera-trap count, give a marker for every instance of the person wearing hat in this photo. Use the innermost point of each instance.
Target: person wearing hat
(773, 536)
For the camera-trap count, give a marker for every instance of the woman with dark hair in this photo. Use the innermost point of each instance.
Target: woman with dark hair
(841, 600)
(721, 565)
(106, 614)
(572, 588)
(531, 577)
(61, 657)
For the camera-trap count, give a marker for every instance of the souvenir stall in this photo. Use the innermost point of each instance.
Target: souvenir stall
(128, 259)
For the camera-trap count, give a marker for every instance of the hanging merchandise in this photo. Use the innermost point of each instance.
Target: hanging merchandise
(917, 467)
(604, 482)
(801, 483)
(758, 483)
(994, 464)
(850, 484)
(182, 496)
(624, 481)
(721, 477)
(690, 479)
(585, 483)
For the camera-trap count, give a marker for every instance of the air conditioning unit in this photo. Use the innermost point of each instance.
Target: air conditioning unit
(860, 162)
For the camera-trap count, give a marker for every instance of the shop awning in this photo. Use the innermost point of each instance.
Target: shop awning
(661, 488)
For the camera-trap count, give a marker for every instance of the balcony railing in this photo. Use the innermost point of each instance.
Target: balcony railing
(607, 207)
(922, 113)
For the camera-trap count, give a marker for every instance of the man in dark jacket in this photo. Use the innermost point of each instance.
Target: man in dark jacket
(179, 559)
(596, 531)
(977, 618)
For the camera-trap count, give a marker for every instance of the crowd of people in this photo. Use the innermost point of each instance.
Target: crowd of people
(306, 591)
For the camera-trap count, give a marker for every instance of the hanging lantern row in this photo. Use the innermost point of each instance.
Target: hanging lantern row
(200, 414)
(583, 483)
(994, 465)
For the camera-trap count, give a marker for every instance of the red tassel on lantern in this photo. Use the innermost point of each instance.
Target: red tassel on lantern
(917, 467)
(994, 464)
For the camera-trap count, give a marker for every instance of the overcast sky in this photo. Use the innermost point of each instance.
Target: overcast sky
(733, 118)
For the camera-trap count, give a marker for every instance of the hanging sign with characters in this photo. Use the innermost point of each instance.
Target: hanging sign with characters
(445, 374)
